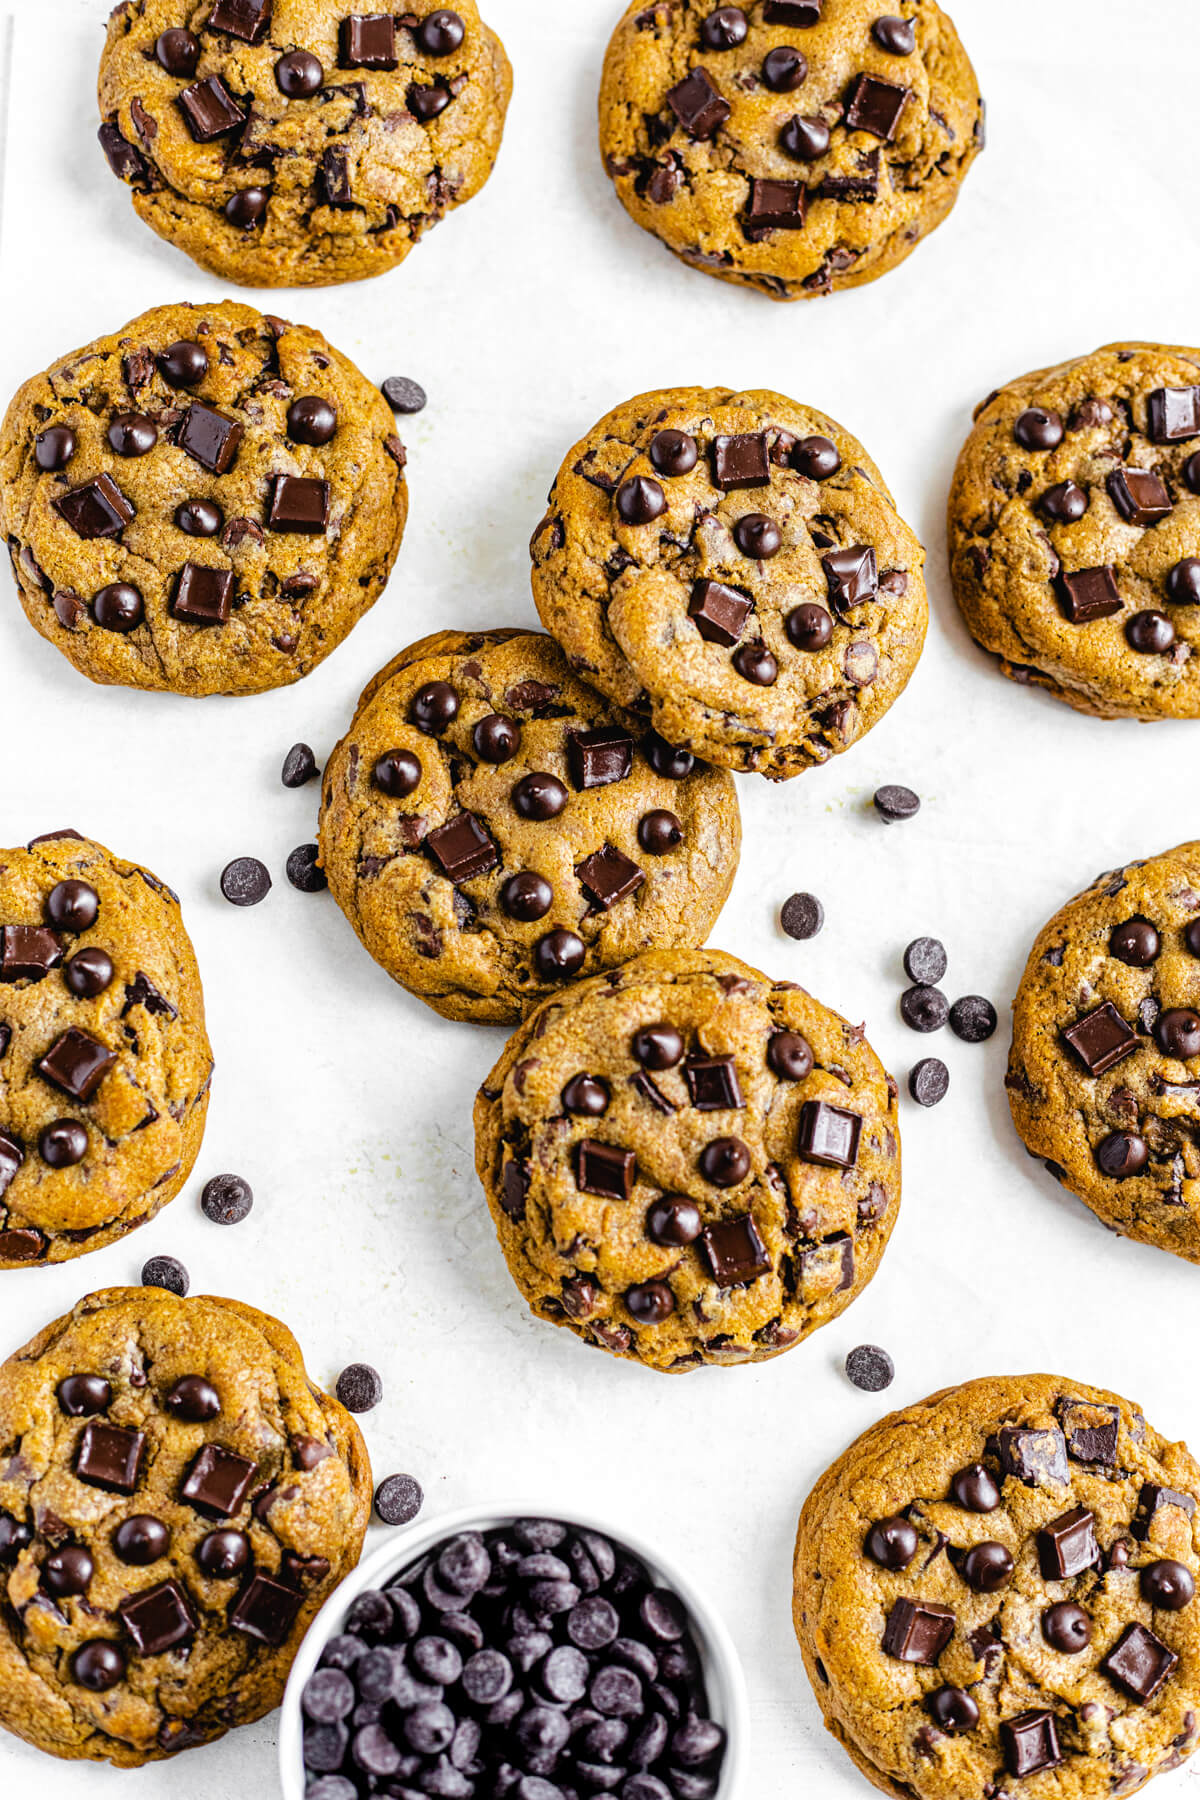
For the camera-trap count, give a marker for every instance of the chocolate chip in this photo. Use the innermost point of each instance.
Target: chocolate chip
(784, 69)
(183, 364)
(539, 797)
(897, 36)
(132, 434)
(368, 41)
(1183, 582)
(1136, 942)
(924, 1008)
(165, 1272)
(192, 1397)
(118, 607)
(527, 896)
(697, 104)
(790, 1056)
(712, 1084)
(650, 1303)
(245, 881)
(809, 626)
(659, 832)
(726, 1162)
(805, 139)
(802, 916)
(81, 1396)
(299, 74)
(1139, 1663)
(224, 1553)
(141, 1540)
(72, 905)
(656, 1047)
(299, 766)
(755, 663)
(817, 457)
(587, 1096)
(304, 870)
(975, 1490)
(178, 52)
(398, 1499)
(397, 773)
(929, 1081)
(757, 536)
(973, 1019)
(1122, 1154)
(1191, 472)
(988, 1567)
(247, 208)
(434, 707)
(870, 1368)
(953, 1710)
(673, 453)
(724, 29)
(404, 395)
(98, 509)
(895, 803)
(640, 500)
(199, 518)
(1039, 428)
(1150, 633)
(673, 1221)
(1089, 594)
(917, 1631)
(596, 758)
(1168, 1586)
(559, 955)
(63, 1144)
(719, 612)
(496, 738)
(311, 420)
(98, 1665)
(88, 973)
(892, 1542)
(666, 761)
(1063, 504)
(54, 448)
(440, 33)
(1178, 1033)
(226, 1199)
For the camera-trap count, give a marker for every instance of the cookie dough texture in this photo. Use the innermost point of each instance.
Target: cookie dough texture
(302, 1513)
(759, 1120)
(1015, 542)
(1049, 1446)
(452, 934)
(1123, 1138)
(722, 188)
(144, 1118)
(292, 594)
(339, 182)
(622, 597)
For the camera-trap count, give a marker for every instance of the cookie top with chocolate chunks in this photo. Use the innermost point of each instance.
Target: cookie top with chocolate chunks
(792, 146)
(297, 143)
(104, 1059)
(1074, 528)
(206, 501)
(732, 567)
(689, 1163)
(491, 831)
(176, 1502)
(1104, 1072)
(995, 1594)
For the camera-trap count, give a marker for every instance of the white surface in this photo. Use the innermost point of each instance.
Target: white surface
(347, 1104)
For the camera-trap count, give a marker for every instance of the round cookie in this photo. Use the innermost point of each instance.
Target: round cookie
(1074, 527)
(689, 1163)
(206, 501)
(733, 567)
(793, 146)
(297, 143)
(491, 832)
(105, 1063)
(995, 1587)
(1105, 1062)
(176, 1502)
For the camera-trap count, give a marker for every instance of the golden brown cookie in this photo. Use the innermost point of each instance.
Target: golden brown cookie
(732, 567)
(994, 1594)
(1074, 530)
(104, 1059)
(689, 1163)
(490, 831)
(176, 1502)
(296, 143)
(1104, 1072)
(793, 146)
(206, 501)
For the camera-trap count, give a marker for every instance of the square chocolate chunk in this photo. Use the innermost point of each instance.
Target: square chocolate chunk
(335, 178)
(1030, 1743)
(1091, 1428)
(1067, 1545)
(650, 1091)
(792, 12)
(603, 1169)
(28, 952)
(1138, 1663)
(98, 509)
(736, 1253)
(697, 103)
(741, 461)
(1152, 1500)
(713, 1084)
(209, 438)
(158, 1618)
(299, 504)
(597, 757)
(11, 1158)
(719, 612)
(829, 1135)
(217, 1481)
(109, 1456)
(1087, 594)
(76, 1063)
(775, 206)
(245, 19)
(266, 1610)
(210, 110)
(1037, 1458)
(1101, 1039)
(368, 41)
(1173, 413)
(1139, 496)
(917, 1631)
(875, 106)
(852, 576)
(607, 876)
(462, 848)
(824, 1269)
(202, 596)
(514, 1186)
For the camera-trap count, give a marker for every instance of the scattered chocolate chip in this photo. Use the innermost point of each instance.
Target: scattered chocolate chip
(673, 453)
(247, 208)
(54, 448)
(1063, 504)
(805, 139)
(245, 881)
(165, 1272)
(359, 1387)
(640, 500)
(440, 33)
(82, 1396)
(88, 973)
(673, 1221)
(929, 1081)
(1136, 942)
(226, 1199)
(666, 761)
(1183, 582)
(72, 905)
(299, 766)
(870, 1368)
(398, 1499)
(304, 870)
(223, 1554)
(925, 961)
(434, 707)
(802, 916)
(757, 536)
(924, 1008)
(1178, 1033)
(132, 434)
(726, 1162)
(404, 395)
(192, 1397)
(1122, 1154)
(98, 1665)
(755, 663)
(650, 1303)
(895, 803)
(63, 1144)
(973, 1019)
(895, 35)
(118, 607)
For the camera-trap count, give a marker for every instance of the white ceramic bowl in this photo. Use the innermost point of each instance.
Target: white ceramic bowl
(722, 1670)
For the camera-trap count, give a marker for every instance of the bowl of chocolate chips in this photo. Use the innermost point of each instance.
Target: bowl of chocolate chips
(513, 1656)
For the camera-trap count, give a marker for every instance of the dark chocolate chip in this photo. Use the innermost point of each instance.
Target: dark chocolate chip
(311, 420)
(527, 896)
(440, 33)
(924, 1008)
(608, 876)
(496, 738)
(54, 448)
(1169, 1586)
(805, 139)
(973, 1019)
(596, 758)
(118, 607)
(809, 626)
(896, 803)
(892, 1542)
(895, 35)
(755, 663)
(82, 1396)
(988, 1567)
(243, 19)
(368, 41)
(76, 1063)
(929, 1081)
(247, 208)
(724, 29)
(1173, 413)
(1063, 504)
(404, 395)
(245, 881)
(62, 1144)
(178, 52)
(192, 1398)
(726, 1162)
(299, 74)
(1066, 1628)
(299, 504)
(673, 1220)
(110, 1456)
(397, 773)
(657, 1047)
(165, 1272)
(802, 916)
(925, 961)
(88, 973)
(539, 797)
(666, 761)
(299, 766)
(1183, 582)
(773, 206)
(650, 1303)
(790, 1056)
(975, 1490)
(1178, 1033)
(673, 453)
(226, 1199)
(97, 509)
(659, 832)
(559, 955)
(953, 1710)
(870, 1368)
(266, 1610)
(640, 500)
(199, 518)
(784, 69)
(223, 1553)
(359, 1387)
(1039, 428)
(398, 1499)
(132, 434)
(1136, 942)
(141, 1540)
(587, 1096)
(98, 1665)
(1150, 633)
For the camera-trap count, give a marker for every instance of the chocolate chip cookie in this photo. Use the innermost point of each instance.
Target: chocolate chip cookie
(732, 568)
(689, 1163)
(491, 831)
(1075, 531)
(104, 1060)
(793, 146)
(1104, 1073)
(995, 1594)
(206, 501)
(296, 143)
(176, 1501)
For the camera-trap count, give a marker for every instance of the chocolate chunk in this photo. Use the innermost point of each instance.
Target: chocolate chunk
(736, 1252)
(1139, 1663)
(870, 1368)
(462, 848)
(917, 1631)
(217, 1481)
(1151, 1501)
(775, 206)
(1139, 496)
(266, 1610)
(607, 876)
(602, 1169)
(126, 162)
(875, 106)
(28, 952)
(299, 504)
(404, 395)
(1101, 1039)
(697, 104)
(598, 757)
(741, 461)
(203, 595)
(398, 1499)
(712, 1083)
(792, 12)
(894, 803)
(158, 1618)
(1088, 594)
(244, 19)
(98, 509)
(929, 1081)
(1091, 1428)
(514, 1187)
(719, 612)
(1067, 1545)
(1038, 1458)
(335, 178)
(829, 1135)
(110, 1456)
(209, 437)
(210, 110)
(1030, 1743)
(76, 1063)
(973, 1019)
(851, 576)
(368, 41)
(1173, 413)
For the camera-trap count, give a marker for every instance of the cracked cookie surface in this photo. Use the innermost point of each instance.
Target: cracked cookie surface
(299, 143)
(176, 1502)
(689, 1163)
(1104, 1072)
(105, 1063)
(792, 146)
(1074, 526)
(491, 832)
(207, 501)
(731, 566)
(994, 1593)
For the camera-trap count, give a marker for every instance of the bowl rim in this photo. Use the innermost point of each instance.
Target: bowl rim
(722, 1666)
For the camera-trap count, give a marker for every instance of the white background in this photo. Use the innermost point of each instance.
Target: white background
(347, 1104)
